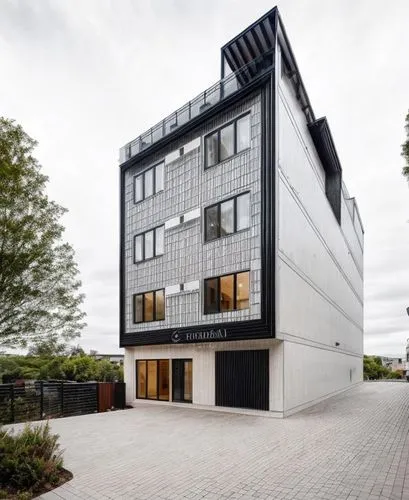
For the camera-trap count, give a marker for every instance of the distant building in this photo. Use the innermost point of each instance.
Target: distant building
(394, 364)
(116, 359)
(241, 275)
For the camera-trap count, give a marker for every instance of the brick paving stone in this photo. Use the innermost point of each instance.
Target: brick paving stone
(352, 446)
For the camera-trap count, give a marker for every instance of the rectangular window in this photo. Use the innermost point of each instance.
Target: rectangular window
(149, 182)
(243, 212)
(227, 293)
(149, 306)
(152, 379)
(227, 217)
(211, 295)
(149, 244)
(211, 149)
(141, 374)
(227, 141)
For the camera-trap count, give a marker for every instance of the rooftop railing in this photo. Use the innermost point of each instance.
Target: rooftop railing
(213, 95)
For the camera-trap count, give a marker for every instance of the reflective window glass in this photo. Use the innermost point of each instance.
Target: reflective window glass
(138, 311)
(242, 290)
(164, 379)
(211, 304)
(212, 223)
(159, 240)
(148, 306)
(243, 211)
(243, 133)
(227, 293)
(227, 217)
(159, 177)
(138, 247)
(141, 392)
(148, 183)
(152, 379)
(160, 305)
(138, 188)
(148, 245)
(226, 142)
(211, 146)
(188, 381)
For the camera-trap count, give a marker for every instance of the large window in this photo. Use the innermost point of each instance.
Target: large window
(152, 379)
(149, 306)
(149, 182)
(227, 217)
(226, 293)
(227, 141)
(149, 244)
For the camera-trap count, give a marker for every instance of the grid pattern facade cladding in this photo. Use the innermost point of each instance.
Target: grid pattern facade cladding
(187, 257)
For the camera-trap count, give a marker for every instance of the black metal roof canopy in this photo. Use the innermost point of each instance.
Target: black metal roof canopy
(255, 44)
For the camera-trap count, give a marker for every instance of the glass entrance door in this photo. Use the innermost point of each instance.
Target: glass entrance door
(182, 380)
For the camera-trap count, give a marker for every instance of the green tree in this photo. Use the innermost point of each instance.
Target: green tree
(39, 286)
(79, 368)
(373, 368)
(405, 149)
(47, 348)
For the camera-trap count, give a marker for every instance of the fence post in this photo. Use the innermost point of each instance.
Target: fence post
(97, 389)
(12, 402)
(41, 399)
(62, 399)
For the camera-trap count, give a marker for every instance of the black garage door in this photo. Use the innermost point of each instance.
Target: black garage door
(242, 379)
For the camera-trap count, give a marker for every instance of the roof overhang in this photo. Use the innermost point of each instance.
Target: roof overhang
(324, 144)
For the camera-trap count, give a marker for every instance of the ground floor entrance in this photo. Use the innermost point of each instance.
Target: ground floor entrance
(242, 379)
(153, 378)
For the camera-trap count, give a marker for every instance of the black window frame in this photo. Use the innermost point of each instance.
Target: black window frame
(218, 311)
(157, 378)
(143, 245)
(143, 306)
(142, 175)
(218, 205)
(217, 131)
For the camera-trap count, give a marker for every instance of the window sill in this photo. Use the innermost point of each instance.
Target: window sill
(148, 198)
(137, 262)
(206, 242)
(225, 312)
(227, 159)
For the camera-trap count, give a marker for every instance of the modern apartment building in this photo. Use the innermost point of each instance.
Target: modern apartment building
(241, 275)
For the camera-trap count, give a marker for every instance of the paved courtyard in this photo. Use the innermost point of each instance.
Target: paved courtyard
(353, 446)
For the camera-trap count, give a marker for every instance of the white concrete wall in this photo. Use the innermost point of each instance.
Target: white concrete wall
(203, 357)
(319, 269)
(312, 373)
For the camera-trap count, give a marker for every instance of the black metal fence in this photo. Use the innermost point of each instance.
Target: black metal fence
(41, 400)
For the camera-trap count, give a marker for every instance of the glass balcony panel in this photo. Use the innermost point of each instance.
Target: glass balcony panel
(157, 132)
(183, 115)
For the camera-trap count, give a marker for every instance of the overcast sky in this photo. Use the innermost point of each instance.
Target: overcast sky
(84, 77)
